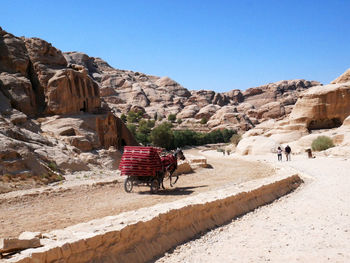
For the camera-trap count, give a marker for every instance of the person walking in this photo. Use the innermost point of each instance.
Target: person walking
(288, 150)
(279, 154)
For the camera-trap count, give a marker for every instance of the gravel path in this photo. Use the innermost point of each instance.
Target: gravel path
(310, 225)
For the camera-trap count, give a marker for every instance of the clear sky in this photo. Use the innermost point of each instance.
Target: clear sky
(216, 45)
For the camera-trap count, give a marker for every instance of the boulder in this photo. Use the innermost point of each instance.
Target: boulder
(256, 145)
(18, 89)
(207, 111)
(323, 107)
(272, 110)
(188, 112)
(8, 245)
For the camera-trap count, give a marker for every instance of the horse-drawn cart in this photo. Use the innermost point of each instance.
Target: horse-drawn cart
(144, 166)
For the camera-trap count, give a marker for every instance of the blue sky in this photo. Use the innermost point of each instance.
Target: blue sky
(215, 45)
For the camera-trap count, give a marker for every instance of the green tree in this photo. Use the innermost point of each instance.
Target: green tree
(171, 117)
(134, 117)
(162, 136)
(132, 128)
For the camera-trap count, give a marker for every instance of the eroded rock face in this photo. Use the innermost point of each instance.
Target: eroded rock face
(13, 54)
(345, 77)
(18, 89)
(70, 91)
(323, 107)
(36, 82)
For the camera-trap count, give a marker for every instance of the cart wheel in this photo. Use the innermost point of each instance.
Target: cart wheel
(128, 185)
(154, 186)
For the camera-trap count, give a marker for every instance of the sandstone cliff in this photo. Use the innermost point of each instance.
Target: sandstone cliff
(51, 117)
(321, 110)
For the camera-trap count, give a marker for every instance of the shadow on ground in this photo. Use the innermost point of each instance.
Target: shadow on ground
(175, 191)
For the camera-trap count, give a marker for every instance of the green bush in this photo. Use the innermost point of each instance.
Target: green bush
(123, 117)
(204, 120)
(134, 117)
(53, 166)
(132, 128)
(322, 143)
(179, 121)
(171, 117)
(162, 136)
(235, 139)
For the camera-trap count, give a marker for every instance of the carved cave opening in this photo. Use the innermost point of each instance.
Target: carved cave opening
(84, 108)
(324, 124)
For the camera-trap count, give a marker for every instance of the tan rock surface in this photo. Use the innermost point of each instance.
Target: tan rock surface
(345, 77)
(323, 106)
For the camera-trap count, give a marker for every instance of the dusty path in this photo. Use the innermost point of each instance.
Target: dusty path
(310, 225)
(58, 207)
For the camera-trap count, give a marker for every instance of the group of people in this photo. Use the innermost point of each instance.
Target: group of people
(287, 152)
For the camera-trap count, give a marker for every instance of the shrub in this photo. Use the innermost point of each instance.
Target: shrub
(179, 121)
(322, 143)
(134, 117)
(204, 120)
(235, 139)
(123, 117)
(171, 117)
(53, 166)
(162, 136)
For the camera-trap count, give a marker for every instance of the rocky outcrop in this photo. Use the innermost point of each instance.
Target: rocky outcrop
(52, 120)
(323, 107)
(70, 91)
(345, 77)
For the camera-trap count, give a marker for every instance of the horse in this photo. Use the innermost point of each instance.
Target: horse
(169, 163)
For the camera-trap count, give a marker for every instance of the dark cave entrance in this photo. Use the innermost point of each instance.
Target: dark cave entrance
(84, 108)
(324, 124)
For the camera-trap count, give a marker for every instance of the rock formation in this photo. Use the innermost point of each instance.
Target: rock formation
(321, 110)
(51, 116)
(323, 107)
(124, 90)
(345, 77)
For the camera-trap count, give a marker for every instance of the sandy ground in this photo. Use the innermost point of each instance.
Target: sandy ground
(80, 199)
(310, 225)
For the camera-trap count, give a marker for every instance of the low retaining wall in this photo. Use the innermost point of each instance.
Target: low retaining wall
(141, 235)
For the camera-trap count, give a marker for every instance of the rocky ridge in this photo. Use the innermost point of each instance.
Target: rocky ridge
(125, 90)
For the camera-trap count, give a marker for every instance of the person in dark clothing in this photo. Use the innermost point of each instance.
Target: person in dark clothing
(288, 150)
(279, 154)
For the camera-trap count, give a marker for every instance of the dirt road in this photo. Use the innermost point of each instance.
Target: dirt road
(58, 207)
(310, 225)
